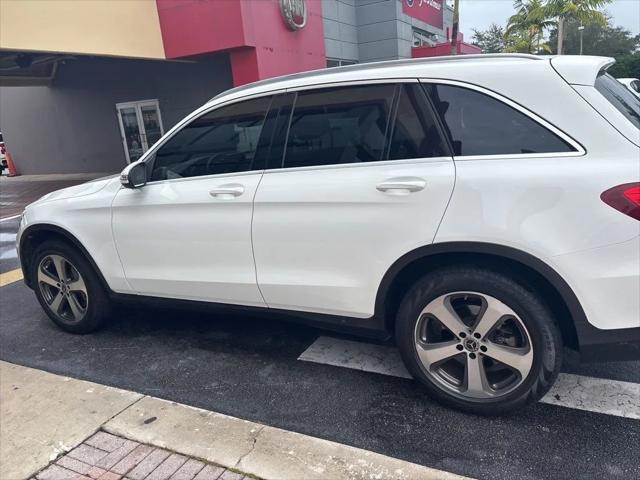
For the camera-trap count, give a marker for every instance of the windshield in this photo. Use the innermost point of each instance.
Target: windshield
(620, 97)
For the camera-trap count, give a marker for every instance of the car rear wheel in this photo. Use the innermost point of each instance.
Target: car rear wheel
(478, 340)
(68, 288)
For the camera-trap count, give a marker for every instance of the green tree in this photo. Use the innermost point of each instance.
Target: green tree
(626, 66)
(526, 27)
(604, 40)
(490, 40)
(584, 11)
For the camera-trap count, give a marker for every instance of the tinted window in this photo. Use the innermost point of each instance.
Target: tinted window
(620, 97)
(339, 125)
(415, 134)
(481, 125)
(221, 141)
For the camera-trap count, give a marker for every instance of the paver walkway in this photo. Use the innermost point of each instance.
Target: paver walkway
(109, 457)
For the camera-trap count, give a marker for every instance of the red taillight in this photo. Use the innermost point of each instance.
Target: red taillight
(624, 198)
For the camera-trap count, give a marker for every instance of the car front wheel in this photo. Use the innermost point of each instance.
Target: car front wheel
(478, 340)
(68, 288)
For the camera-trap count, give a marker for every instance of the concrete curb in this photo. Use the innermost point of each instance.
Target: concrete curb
(267, 452)
(43, 415)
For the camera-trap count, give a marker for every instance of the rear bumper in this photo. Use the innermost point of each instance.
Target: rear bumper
(606, 281)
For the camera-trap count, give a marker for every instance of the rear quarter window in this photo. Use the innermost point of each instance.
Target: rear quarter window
(478, 124)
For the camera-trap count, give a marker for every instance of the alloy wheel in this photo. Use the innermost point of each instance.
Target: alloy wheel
(63, 288)
(473, 345)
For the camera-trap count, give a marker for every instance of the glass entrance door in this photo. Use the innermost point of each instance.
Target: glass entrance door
(140, 126)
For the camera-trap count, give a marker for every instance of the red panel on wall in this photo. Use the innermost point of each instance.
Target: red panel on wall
(429, 11)
(193, 27)
(280, 50)
(445, 49)
(260, 43)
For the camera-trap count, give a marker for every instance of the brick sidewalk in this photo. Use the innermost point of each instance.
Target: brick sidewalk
(108, 457)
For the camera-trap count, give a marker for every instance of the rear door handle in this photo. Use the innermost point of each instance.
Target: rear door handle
(402, 185)
(226, 192)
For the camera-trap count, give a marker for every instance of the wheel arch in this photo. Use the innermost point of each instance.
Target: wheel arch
(36, 234)
(529, 269)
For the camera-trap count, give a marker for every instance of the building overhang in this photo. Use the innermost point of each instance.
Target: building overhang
(255, 33)
(29, 68)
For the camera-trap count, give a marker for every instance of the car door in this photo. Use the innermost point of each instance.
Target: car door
(187, 233)
(365, 178)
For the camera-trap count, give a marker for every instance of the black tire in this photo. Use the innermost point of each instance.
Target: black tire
(98, 305)
(546, 341)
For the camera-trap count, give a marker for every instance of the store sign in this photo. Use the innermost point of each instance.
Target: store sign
(428, 11)
(294, 13)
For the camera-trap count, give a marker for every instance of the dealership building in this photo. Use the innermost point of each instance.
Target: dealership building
(89, 86)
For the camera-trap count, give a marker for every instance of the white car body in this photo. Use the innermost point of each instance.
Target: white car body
(632, 84)
(325, 240)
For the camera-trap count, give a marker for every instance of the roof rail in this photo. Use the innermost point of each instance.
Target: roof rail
(376, 65)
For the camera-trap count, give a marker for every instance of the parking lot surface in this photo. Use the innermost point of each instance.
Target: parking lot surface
(250, 367)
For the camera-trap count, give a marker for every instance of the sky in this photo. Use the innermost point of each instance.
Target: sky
(479, 14)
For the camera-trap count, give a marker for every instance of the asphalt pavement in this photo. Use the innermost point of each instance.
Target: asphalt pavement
(248, 367)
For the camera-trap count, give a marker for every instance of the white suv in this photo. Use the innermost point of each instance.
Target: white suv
(484, 210)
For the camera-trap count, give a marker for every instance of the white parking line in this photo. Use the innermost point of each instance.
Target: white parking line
(598, 395)
(5, 219)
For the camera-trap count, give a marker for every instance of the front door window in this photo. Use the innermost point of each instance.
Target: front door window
(140, 127)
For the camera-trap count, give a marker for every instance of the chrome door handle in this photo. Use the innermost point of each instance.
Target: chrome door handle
(231, 190)
(402, 185)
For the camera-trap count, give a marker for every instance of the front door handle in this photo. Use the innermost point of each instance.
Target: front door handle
(402, 185)
(226, 192)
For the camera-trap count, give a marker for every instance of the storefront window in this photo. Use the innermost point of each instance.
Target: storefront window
(335, 62)
(420, 38)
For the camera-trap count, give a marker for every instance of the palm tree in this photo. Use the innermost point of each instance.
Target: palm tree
(530, 21)
(586, 11)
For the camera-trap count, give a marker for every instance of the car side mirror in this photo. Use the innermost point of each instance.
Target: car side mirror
(134, 175)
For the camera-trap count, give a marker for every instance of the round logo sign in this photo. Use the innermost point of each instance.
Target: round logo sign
(294, 13)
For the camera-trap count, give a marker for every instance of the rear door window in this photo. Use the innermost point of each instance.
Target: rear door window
(333, 126)
(360, 123)
(478, 124)
(415, 132)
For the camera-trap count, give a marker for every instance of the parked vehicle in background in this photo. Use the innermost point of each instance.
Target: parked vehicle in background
(484, 210)
(3, 155)
(632, 84)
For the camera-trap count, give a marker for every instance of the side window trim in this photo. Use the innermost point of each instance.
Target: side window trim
(288, 128)
(391, 122)
(150, 155)
(579, 149)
